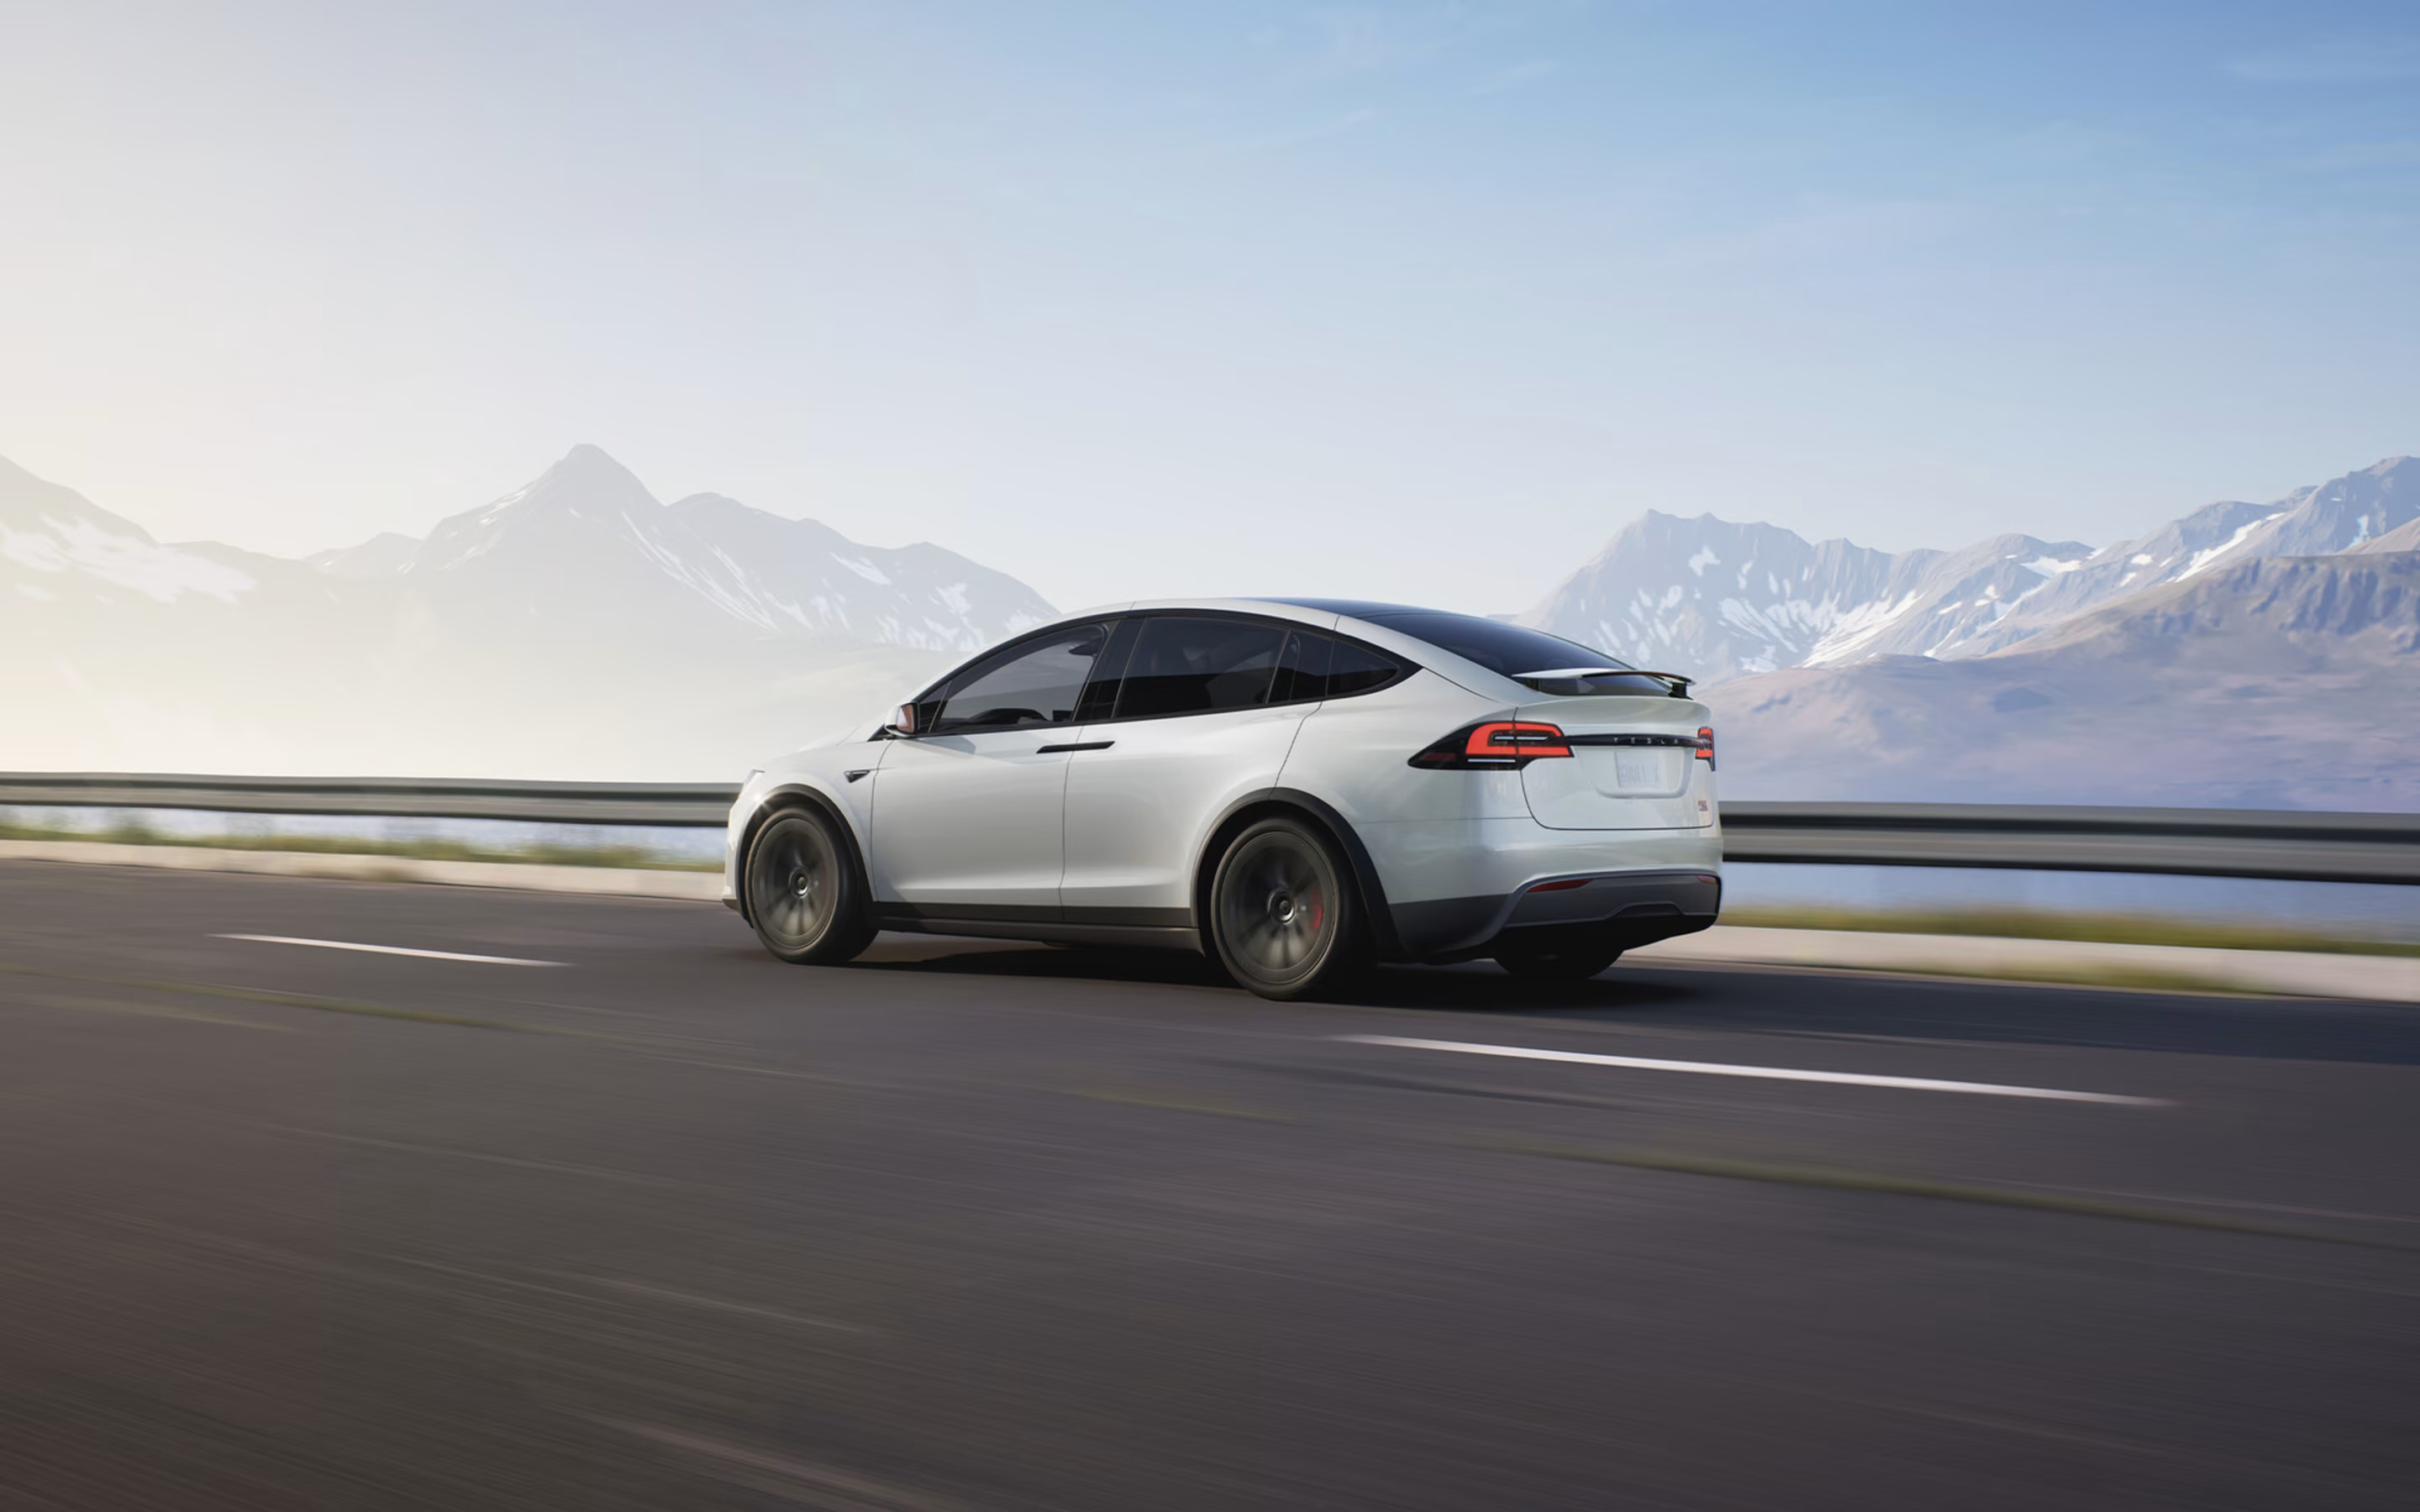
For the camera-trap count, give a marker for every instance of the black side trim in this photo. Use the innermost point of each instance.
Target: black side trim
(924, 917)
(1117, 935)
(915, 916)
(1074, 744)
(1131, 918)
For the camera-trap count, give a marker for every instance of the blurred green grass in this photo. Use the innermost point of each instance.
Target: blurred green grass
(2045, 924)
(135, 831)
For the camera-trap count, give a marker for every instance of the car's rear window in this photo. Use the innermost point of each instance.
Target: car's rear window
(1515, 651)
(1509, 649)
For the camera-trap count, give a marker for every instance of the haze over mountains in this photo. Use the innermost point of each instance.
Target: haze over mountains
(575, 627)
(2264, 655)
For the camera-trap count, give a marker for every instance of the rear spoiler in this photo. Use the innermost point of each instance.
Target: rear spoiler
(1678, 684)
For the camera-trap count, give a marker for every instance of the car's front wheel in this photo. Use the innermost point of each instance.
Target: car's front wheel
(806, 895)
(1283, 915)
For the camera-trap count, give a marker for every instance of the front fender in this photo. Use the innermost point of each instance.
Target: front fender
(847, 803)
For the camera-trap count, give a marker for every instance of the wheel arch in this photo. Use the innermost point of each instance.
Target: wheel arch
(1294, 803)
(792, 797)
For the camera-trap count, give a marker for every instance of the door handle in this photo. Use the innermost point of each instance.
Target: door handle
(1081, 744)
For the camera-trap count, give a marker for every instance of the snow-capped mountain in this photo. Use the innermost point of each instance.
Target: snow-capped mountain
(587, 541)
(55, 545)
(2276, 681)
(2246, 654)
(575, 627)
(1716, 600)
(2346, 514)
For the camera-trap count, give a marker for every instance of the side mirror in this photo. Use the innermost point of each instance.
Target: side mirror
(903, 720)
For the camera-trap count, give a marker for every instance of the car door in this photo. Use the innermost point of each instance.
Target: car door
(1196, 721)
(966, 810)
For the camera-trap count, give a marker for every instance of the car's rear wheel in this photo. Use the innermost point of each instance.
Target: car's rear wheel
(806, 895)
(1567, 964)
(1283, 915)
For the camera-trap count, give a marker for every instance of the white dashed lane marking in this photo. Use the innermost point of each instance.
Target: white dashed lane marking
(391, 949)
(1771, 1073)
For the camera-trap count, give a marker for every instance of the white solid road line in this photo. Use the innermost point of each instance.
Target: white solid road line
(1775, 1074)
(389, 949)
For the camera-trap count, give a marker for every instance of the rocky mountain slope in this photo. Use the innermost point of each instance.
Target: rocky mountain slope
(2345, 514)
(1720, 600)
(2278, 682)
(1716, 600)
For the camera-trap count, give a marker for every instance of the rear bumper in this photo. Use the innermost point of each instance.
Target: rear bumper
(1452, 887)
(1623, 909)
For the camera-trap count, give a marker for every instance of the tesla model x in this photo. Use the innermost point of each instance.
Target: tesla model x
(1296, 788)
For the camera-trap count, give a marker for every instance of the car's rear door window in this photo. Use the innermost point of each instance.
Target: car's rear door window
(1318, 666)
(1187, 665)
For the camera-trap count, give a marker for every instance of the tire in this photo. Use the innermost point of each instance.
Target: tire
(806, 894)
(1571, 965)
(1284, 918)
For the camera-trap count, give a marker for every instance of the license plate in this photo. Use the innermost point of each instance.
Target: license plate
(1638, 768)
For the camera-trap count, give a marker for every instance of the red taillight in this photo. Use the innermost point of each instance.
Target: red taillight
(1706, 743)
(1531, 740)
(1564, 886)
(1498, 743)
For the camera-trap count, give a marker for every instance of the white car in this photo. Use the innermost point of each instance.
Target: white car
(1294, 786)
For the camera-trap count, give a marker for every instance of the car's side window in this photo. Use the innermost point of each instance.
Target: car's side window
(1034, 683)
(1320, 666)
(1185, 665)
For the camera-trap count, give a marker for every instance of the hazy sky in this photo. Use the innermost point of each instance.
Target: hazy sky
(1418, 303)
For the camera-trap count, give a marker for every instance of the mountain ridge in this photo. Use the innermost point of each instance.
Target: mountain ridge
(1720, 600)
(573, 626)
(2276, 681)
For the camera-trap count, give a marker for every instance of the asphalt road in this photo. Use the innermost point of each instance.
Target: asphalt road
(670, 1225)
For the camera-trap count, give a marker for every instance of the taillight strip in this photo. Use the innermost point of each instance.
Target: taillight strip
(1494, 745)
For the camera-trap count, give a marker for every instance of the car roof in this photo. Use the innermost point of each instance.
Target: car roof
(1359, 608)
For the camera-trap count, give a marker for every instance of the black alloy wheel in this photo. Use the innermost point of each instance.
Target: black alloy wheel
(1282, 914)
(1568, 965)
(805, 894)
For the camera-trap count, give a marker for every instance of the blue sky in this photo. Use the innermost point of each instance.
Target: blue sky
(1420, 301)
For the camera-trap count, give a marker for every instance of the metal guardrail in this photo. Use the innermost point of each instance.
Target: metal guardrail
(2215, 842)
(701, 805)
(2282, 846)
